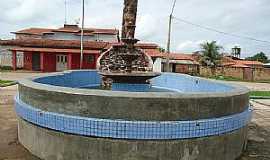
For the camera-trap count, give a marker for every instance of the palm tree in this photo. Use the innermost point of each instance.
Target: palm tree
(210, 54)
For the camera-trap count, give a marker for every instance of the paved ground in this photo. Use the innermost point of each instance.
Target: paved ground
(14, 76)
(253, 86)
(259, 132)
(258, 140)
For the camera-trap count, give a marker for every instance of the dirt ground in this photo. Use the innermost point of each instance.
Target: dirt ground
(10, 149)
(258, 147)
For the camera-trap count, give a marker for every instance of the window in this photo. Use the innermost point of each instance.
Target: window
(90, 58)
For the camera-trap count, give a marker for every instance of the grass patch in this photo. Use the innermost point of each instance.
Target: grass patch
(4, 83)
(260, 93)
(5, 68)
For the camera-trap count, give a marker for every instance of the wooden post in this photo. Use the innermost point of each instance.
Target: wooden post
(14, 60)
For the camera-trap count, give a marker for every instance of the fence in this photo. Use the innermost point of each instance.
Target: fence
(250, 74)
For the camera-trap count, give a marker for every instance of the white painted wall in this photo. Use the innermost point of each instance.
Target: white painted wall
(71, 36)
(157, 66)
(6, 57)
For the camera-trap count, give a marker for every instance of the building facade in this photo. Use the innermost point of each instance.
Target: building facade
(47, 55)
(69, 32)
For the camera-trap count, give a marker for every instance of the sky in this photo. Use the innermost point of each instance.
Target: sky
(248, 18)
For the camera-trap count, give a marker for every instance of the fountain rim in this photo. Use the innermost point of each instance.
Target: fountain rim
(29, 82)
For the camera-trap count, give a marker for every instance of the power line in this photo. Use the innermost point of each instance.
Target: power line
(173, 6)
(220, 32)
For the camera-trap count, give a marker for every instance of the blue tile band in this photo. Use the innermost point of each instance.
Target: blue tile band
(121, 129)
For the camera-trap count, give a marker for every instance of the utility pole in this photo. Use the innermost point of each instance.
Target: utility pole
(167, 69)
(168, 46)
(65, 12)
(82, 32)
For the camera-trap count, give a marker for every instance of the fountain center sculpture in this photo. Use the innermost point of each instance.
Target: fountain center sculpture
(124, 62)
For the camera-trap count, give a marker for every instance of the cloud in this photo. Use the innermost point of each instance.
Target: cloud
(190, 46)
(245, 17)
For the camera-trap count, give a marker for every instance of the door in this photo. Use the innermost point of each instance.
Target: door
(248, 74)
(61, 62)
(36, 62)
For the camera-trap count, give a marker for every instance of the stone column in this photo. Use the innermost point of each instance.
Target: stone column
(129, 19)
(42, 67)
(69, 58)
(14, 60)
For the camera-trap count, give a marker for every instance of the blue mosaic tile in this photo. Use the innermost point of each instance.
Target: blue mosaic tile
(132, 129)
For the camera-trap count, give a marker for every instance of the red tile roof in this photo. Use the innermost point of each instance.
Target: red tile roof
(48, 43)
(150, 48)
(246, 62)
(53, 50)
(229, 61)
(240, 66)
(67, 29)
(154, 53)
(34, 31)
(181, 56)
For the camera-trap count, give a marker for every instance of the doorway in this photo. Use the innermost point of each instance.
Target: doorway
(61, 62)
(36, 62)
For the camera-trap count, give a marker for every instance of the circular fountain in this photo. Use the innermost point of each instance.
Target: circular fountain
(124, 111)
(179, 117)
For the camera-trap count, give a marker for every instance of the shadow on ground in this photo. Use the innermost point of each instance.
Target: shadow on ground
(258, 147)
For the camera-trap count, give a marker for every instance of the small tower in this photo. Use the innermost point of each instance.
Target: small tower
(236, 52)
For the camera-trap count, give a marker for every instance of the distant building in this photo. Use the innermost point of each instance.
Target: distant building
(42, 37)
(267, 65)
(179, 62)
(48, 55)
(229, 61)
(69, 32)
(183, 63)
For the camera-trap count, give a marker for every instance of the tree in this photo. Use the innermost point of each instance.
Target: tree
(261, 57)
(162, 50)
(210, 54)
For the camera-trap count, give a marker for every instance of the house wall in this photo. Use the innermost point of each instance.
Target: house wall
(87, 65)
(106, 37)
(157, 66)
(6, 57)
(49, 62)
(225, 71)
(27, 60)
(75, 62)
(262, 74)
(257, 74)
(180, 68)
(27, 36)
(72, 36)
